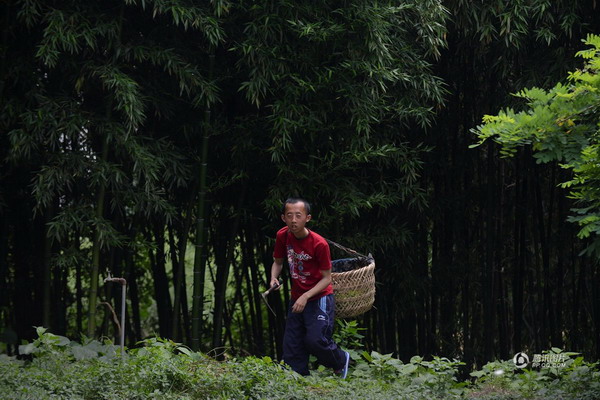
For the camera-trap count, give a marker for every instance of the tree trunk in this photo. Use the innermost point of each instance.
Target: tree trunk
(180, 305)
(422, 276)
(546, 312)
(136, 326)
(78, 289)
(559, 278)
(520, 240)
(252, 284)
(161, 281)
(4, 279)
(488, 271)
(63, 295)
(47, 272)
(220, 284)
(434, 293)
(93, 295)
(223, 265)
(201, 232)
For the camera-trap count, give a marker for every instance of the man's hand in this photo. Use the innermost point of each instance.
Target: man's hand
(299, 305)
(275, 284)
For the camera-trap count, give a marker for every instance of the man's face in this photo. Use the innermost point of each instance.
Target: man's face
(295, 217)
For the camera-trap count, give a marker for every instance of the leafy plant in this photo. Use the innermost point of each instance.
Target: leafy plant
(561, 125)
(348, 336)
(552, 374)
(163, 369)
(49, 344)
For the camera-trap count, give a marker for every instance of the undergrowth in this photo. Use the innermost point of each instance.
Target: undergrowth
(58, 368)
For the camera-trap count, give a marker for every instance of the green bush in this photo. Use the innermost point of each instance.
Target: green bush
(161, 369)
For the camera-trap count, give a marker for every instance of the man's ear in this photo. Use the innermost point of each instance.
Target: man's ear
(283, 217)
(308, 217)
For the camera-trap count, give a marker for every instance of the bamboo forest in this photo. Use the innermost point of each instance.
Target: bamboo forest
(147, 148)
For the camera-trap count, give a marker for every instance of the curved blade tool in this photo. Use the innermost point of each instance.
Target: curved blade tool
(266, 293)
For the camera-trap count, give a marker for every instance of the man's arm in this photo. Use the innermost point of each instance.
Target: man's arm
(299, 305)
(276, 271)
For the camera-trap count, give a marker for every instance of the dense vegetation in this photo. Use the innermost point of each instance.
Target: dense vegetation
(155, 140)
(162, 369)
(561, 124)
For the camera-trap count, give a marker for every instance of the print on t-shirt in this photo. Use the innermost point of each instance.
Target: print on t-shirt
(296, 264)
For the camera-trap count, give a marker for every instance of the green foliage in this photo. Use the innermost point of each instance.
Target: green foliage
(435, 377)
(573, 378)
(83, 124)
(163, 369)
(56, 346)
(509, 22)
(348, 336)
(561, 125)
(106, 103)
(335, 88)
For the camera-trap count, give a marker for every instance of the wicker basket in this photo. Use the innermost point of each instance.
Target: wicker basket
(354, 290)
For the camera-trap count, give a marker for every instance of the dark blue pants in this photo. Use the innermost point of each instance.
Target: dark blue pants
(310, 332)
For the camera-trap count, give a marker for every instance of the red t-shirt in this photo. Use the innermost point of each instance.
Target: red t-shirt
(306, 257)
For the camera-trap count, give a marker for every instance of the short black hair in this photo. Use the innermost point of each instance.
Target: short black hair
(294, 200)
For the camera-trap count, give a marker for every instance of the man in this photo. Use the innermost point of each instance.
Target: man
(310, 320)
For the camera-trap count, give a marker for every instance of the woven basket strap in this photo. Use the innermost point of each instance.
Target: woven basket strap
(346, 249)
